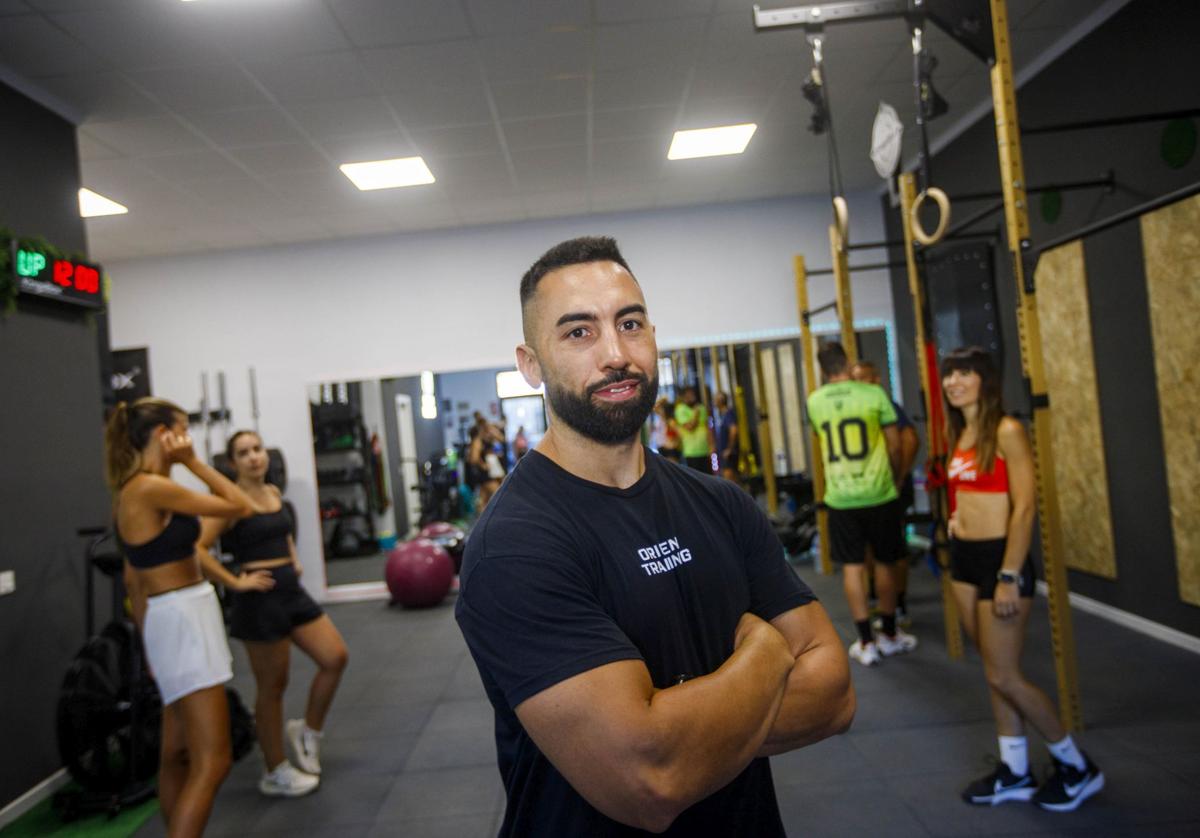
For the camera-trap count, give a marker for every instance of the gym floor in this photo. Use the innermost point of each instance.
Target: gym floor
(409, 747)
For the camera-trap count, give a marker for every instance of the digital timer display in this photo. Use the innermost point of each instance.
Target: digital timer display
(58, 279)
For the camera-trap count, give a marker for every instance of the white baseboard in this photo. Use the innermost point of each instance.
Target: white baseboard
(1149, 628)
(34, 796)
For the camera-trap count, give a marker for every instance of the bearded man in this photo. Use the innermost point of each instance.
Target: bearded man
(638, 631)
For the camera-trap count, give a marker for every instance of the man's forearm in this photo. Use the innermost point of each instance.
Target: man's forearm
(710, 728)
(819, 702)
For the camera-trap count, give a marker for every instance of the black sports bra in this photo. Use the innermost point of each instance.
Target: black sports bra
(177, 541)
(260, 537)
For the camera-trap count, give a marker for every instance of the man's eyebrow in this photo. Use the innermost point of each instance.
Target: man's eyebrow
(588, 317)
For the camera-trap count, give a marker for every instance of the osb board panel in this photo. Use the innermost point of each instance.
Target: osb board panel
(1078, 445)
(789, 378)
(1171, 244)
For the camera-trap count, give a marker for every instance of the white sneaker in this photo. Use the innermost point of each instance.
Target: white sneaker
(306, 745)
(898, 645)
(867, 655)
(287, 781)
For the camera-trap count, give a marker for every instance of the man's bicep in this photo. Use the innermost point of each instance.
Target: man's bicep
(806, 627)
(589, 713)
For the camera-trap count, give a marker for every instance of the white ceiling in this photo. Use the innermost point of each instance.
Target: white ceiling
(220, 123)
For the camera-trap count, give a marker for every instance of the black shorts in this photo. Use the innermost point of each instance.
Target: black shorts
(881, 527)
(978, 562)
(264, 617)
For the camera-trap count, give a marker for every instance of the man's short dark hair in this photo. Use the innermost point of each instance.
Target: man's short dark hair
(832, 358)
(578, 251)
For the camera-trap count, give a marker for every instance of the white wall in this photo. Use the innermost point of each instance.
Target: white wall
(476, 389)
(447, 300)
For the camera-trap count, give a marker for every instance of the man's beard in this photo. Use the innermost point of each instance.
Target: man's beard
(611, 423)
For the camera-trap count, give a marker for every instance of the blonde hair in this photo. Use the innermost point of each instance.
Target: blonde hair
(127, 434)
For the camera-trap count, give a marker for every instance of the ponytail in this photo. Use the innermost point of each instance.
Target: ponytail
(127, 434)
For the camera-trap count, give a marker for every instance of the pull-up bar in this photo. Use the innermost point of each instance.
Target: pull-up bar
(875, 266)
(806, 316)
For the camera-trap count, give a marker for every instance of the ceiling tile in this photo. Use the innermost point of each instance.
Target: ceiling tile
(136, 137)
(253, 126)
(658, 43)
(39, 48)
(343, 117)
(198, 89)
(256, 30)
(314, 192)
(361, 148)
(554, 204)
(286, 228)
(13, 7)
(570, 129)
(551, 169)
(658, 86)
(496, 17)
(241, 196)
(536, 56)
(92, 149)
(521, 100)
(625, 10)
(482, 176)
(327, 75)
(732, 37)
(155, 35)
(708, 113)
(444, 64)
(102, 97)
(191, 165)
(286, 157)
(434, 107)
(630, 161)
(378, 22)
(457, 141)
(628, 123)
(763, 74)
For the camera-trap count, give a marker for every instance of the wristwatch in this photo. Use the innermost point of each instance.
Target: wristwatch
(1007, 576)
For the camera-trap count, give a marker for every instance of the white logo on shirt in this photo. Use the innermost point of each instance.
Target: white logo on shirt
(663, 557)
(961, 469)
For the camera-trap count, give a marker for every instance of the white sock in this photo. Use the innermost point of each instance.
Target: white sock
(1014, 752)
(1066, 751)
(308, 731)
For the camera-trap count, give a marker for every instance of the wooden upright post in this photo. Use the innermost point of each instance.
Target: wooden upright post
(1016, 219)
(845, 303)
(764, 433)
(935, 444)
(816, 460)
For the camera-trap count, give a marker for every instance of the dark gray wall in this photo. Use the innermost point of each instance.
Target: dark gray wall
(1141, 60)
(51, 478)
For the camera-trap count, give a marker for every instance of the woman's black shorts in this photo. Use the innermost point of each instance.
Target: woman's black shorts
(978, 562)
(267, 616)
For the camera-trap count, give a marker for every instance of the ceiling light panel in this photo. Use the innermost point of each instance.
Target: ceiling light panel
(388, 174)
(93, 204)
(711, 142)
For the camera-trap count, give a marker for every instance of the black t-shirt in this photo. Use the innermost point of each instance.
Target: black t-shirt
(562, 575)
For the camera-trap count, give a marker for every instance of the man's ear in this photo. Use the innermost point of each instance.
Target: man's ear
(527, 363)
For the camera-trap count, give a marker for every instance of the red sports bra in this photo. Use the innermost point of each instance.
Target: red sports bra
(964, 474)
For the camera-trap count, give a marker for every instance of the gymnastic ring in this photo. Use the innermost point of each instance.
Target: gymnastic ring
(841, 218)
(943, 204)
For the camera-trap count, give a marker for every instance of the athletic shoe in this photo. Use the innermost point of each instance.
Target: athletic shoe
(306, 746)
(999, 787)
(867, 655)
(1067, 786)
(287, 781)
(897, 645)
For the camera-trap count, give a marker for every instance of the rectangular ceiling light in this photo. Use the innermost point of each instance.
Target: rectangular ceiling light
(388, 174)
(711, 142)
(92, 204)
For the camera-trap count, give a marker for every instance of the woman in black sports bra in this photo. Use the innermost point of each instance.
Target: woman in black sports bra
(269, 622)
(176, 610)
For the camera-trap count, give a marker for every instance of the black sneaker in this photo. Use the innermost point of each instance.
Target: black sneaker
(999, 787)
(1067, 786)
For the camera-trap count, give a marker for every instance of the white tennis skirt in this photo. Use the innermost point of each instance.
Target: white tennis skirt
(184, 636)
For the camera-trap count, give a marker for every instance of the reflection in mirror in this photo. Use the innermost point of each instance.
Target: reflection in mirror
(396, 454)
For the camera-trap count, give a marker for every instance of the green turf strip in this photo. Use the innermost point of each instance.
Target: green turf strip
(42, 820)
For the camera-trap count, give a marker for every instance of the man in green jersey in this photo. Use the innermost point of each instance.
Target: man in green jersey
(692, 419)
(860, 447)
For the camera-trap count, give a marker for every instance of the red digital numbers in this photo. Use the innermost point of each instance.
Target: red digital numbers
(82, 277)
